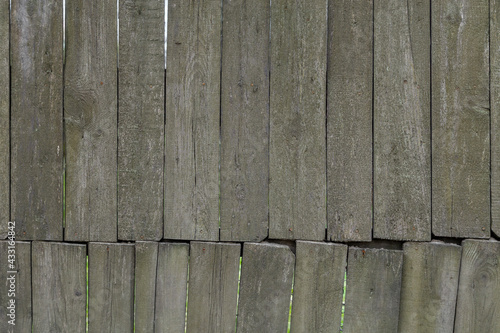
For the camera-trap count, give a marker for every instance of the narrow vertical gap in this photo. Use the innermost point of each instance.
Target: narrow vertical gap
(165, 21)
(238, 297)
(135, 288)
(291, 305)
(430, 105)
(87, 293)
(489, 99)
(326, 115)
(343, 302)
(187, 295)
(117, 110)
(156, 285)
(373, 117)
(220, 108)
(269, 73)
(63, 123)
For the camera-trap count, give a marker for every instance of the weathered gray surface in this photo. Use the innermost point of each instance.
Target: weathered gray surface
(213, 287)
(4, 118)
(245, 121)
(265, 288)
(297, 188)
(36, 119)
(59, 287)
(460, 119)
(192, 120)
(349, 123)
(171, 287)
(495, 113)
(318, 287)
(111, 287)
(373, 290)
(146, 257)
(429, 287)
(90, 106)
(141, 121)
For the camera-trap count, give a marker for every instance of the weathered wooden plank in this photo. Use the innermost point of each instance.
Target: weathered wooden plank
(245, 121)
(297, 189)
(171, 287)
(90, 106)
(265, 288)
(59, 287)
(111, 287)
(146, 257)
(37, 119)
(495, 113)
(192, 120)
(429, 287)
(318, 287)
(4, 117)
(141, 126)
(460, 119)
(373, 290)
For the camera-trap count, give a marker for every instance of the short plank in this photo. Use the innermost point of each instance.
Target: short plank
(460, 119)
(59, 286)
(495, 113)
(318, 287)
(373, 290)
(265, 288)
(245, 121)
(297, 165)
(4, 116)
(90, 106)
(37, 118)
(192, 120)
(429, 287)
(213, 287)
(146, 257)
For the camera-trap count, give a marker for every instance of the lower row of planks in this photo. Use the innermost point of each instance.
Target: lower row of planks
(425, 287)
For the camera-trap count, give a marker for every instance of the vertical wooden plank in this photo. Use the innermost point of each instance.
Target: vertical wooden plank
(192, 120)
(373, 290)
(146, 257)
(265, 288)
(297, 189)
(495, 113)
(59, 287)
(460, 119)
(213, 287)
(245, 121)
(111, 287)
(4, 114)
(318, 287)
(36, 119)
(90, 102)
(141, 120)
(429, 287)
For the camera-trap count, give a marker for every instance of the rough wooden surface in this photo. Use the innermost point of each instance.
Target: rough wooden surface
(460, 119)
(90, 112)
(4, 117)
(429, 287)
(349, 122)
(297, 188)
(36, 119)
(141, 120)
(59, 286)
(146, 257)
(318, 287)
(265, 288)
(192, 120)
(495, 113)
(213, 287)
(245, 121)
(373, 290)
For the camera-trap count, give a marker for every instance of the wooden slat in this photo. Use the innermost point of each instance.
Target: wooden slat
(495, 113)
(90, 102)
(36, 119)
(245, 121)
(192, 120)
(146, 257)
(265, 288)
(4, 117)
(460, 119)
(297, 189)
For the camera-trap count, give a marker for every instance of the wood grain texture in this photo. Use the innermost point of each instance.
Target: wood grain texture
(460, 119)
(141, 119)
(4, 117)
(192, 120)
(146, 258)
(213, 287)
(37, 119)
(318, 287)
(90, 106)
(297, 165)
(495, 113)
(245, 121)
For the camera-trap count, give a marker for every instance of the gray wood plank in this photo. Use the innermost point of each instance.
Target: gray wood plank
(141, 120)
(495, 113)
(373, 290)
(146, 257)
(111, 287)
(37, 119)
(213, 287)
(460, 119)
(318, 287)
(4, 116)
(245, 121)
(59, 286)
(297, 162)
(192, 120)
(90, 106)
(265, 288)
